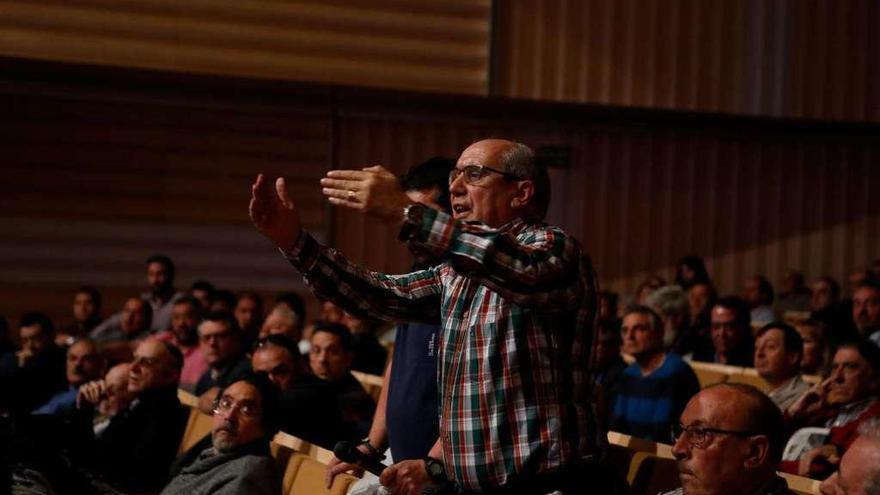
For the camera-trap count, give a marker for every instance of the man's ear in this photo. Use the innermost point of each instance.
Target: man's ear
(758, 451)
(525, 192)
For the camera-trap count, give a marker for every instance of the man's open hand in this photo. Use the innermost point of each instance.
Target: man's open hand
(273, 212)
(373, 190)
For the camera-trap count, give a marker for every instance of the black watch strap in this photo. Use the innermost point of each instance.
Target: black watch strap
(436, 470)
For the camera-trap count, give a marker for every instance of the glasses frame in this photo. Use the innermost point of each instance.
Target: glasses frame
(233, 406)
(463, 171)
(677, 429)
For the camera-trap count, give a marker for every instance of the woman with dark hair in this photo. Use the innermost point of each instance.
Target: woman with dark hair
(691, 270)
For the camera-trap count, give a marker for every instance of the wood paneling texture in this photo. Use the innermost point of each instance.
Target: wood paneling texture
(784, 58)
(93, 183)
(404, 44)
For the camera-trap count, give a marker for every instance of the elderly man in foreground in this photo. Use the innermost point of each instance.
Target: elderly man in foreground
(516, 300)
(238, 461)
(729, 442)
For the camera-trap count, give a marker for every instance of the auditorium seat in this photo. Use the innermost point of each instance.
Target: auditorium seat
(305, 476)
(649, 473)
(711, 373)
(372, 383)
(198, 426)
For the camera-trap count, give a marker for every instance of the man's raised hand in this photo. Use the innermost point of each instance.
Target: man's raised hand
(273, 212)
(373, 190)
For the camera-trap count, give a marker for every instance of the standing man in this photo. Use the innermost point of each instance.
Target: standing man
(516, 300)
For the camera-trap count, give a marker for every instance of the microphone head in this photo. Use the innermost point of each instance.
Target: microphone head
(346, 451)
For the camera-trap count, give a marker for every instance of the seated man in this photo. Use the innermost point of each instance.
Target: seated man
(731, 334)
(86, 316)
(729, 441)
(238, 461)
(654, 389)
(859, 472)
(221, 344)
(248, 314)
(330, 358)
(778, 351)
(185, 317)
(118, 334)
(111, 394)
(282, 321)
(671, 303)
(84, 364)
(866, 310)
(36, 372)
(841, 403)
(758, 294)
(136, 449)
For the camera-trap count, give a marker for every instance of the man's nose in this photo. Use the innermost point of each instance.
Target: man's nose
(680, 447)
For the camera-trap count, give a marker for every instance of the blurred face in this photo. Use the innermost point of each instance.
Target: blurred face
(821, 297)
(327, 359)
(687, 274)
(639, 339)
(855, 278)
(133, 320)
(716, 466)
(151, 368)
(726, 337)
(771, 360)
(84, 307)
(866, 310)
(751, 292)
(158, 278)
(218, 343)
(859, 464)
(278, 324)
(246, 312)
(83, 363)
(851, 377)
(237, 417)
(606, 349)
(117, 395)
(489, 199)
(34, 339)
(427, 197)
(184, 320)
(813, 349)
(203, 296)
(330, 312)
(277, 363)
(698, 298)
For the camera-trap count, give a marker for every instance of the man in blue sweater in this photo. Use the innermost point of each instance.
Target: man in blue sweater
(653, 390)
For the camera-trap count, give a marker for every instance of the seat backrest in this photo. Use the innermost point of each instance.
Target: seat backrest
(651, 474)
(198, 425)
(187, 399)
(372, 383)
(801, 485)
(750, 377)
(711, 373)
(305, 476)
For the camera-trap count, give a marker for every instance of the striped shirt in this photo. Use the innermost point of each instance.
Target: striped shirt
(517, 307)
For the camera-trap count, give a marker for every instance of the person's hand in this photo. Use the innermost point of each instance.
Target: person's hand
(91, 393)
(24, 356)
(831, 486)
(373, 190)
(811, 401)
(828, 453)
(406, 477)
(336, 467)
(273, 212)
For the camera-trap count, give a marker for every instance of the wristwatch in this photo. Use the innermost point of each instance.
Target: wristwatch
(436, 470)
(412, 221)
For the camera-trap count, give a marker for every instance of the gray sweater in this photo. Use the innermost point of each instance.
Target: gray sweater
(226, 473)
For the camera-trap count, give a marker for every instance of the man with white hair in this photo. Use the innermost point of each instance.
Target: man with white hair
(859, 472)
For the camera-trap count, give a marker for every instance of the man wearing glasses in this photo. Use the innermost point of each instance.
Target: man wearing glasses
(238, 461)
(516, 301)
(729, 441)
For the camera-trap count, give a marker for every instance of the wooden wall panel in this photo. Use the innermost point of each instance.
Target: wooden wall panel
(404, 44)
(804, 59)
(94, 182)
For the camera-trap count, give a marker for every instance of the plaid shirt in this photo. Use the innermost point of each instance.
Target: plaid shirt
(517, 307)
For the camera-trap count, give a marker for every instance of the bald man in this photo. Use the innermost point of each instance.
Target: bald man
(859, 472)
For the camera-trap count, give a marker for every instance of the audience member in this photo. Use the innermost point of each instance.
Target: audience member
(183, 334)
(282, 321)
(246, 417)
(224, 301)
(295, 303)
(330, 359)
(856, 278)
(731, 334)
(701, 299)
(825, 294)
(859, 472)
(608, 308)
(840, 403)
(277, 356)
(84, 364)
(691, 271)
(654, 389)
(758, 294)
(778, 352)
(135, 451)
(249, 316)
(728, 442)
(794, 295)
(866, 310)
(649, 285)
(817, 355)
(161, 295)
(130, 324)
(36, 372)
(369, 355)
(223, 350)
(203, 291)
(671, 303)
(110, 394)
(86, 316)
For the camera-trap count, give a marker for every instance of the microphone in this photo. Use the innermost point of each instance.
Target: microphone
(348, 452)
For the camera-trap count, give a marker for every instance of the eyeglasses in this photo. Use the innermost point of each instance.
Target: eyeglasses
(225, 405)
(475, 173)
(700, 436)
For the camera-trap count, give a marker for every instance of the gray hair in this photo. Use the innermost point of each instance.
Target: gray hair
(669, 300)
(287, 314)
(519, 161)
(870, 429)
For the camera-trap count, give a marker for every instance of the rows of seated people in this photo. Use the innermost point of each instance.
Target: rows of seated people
(100, 397)
(668, 329)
